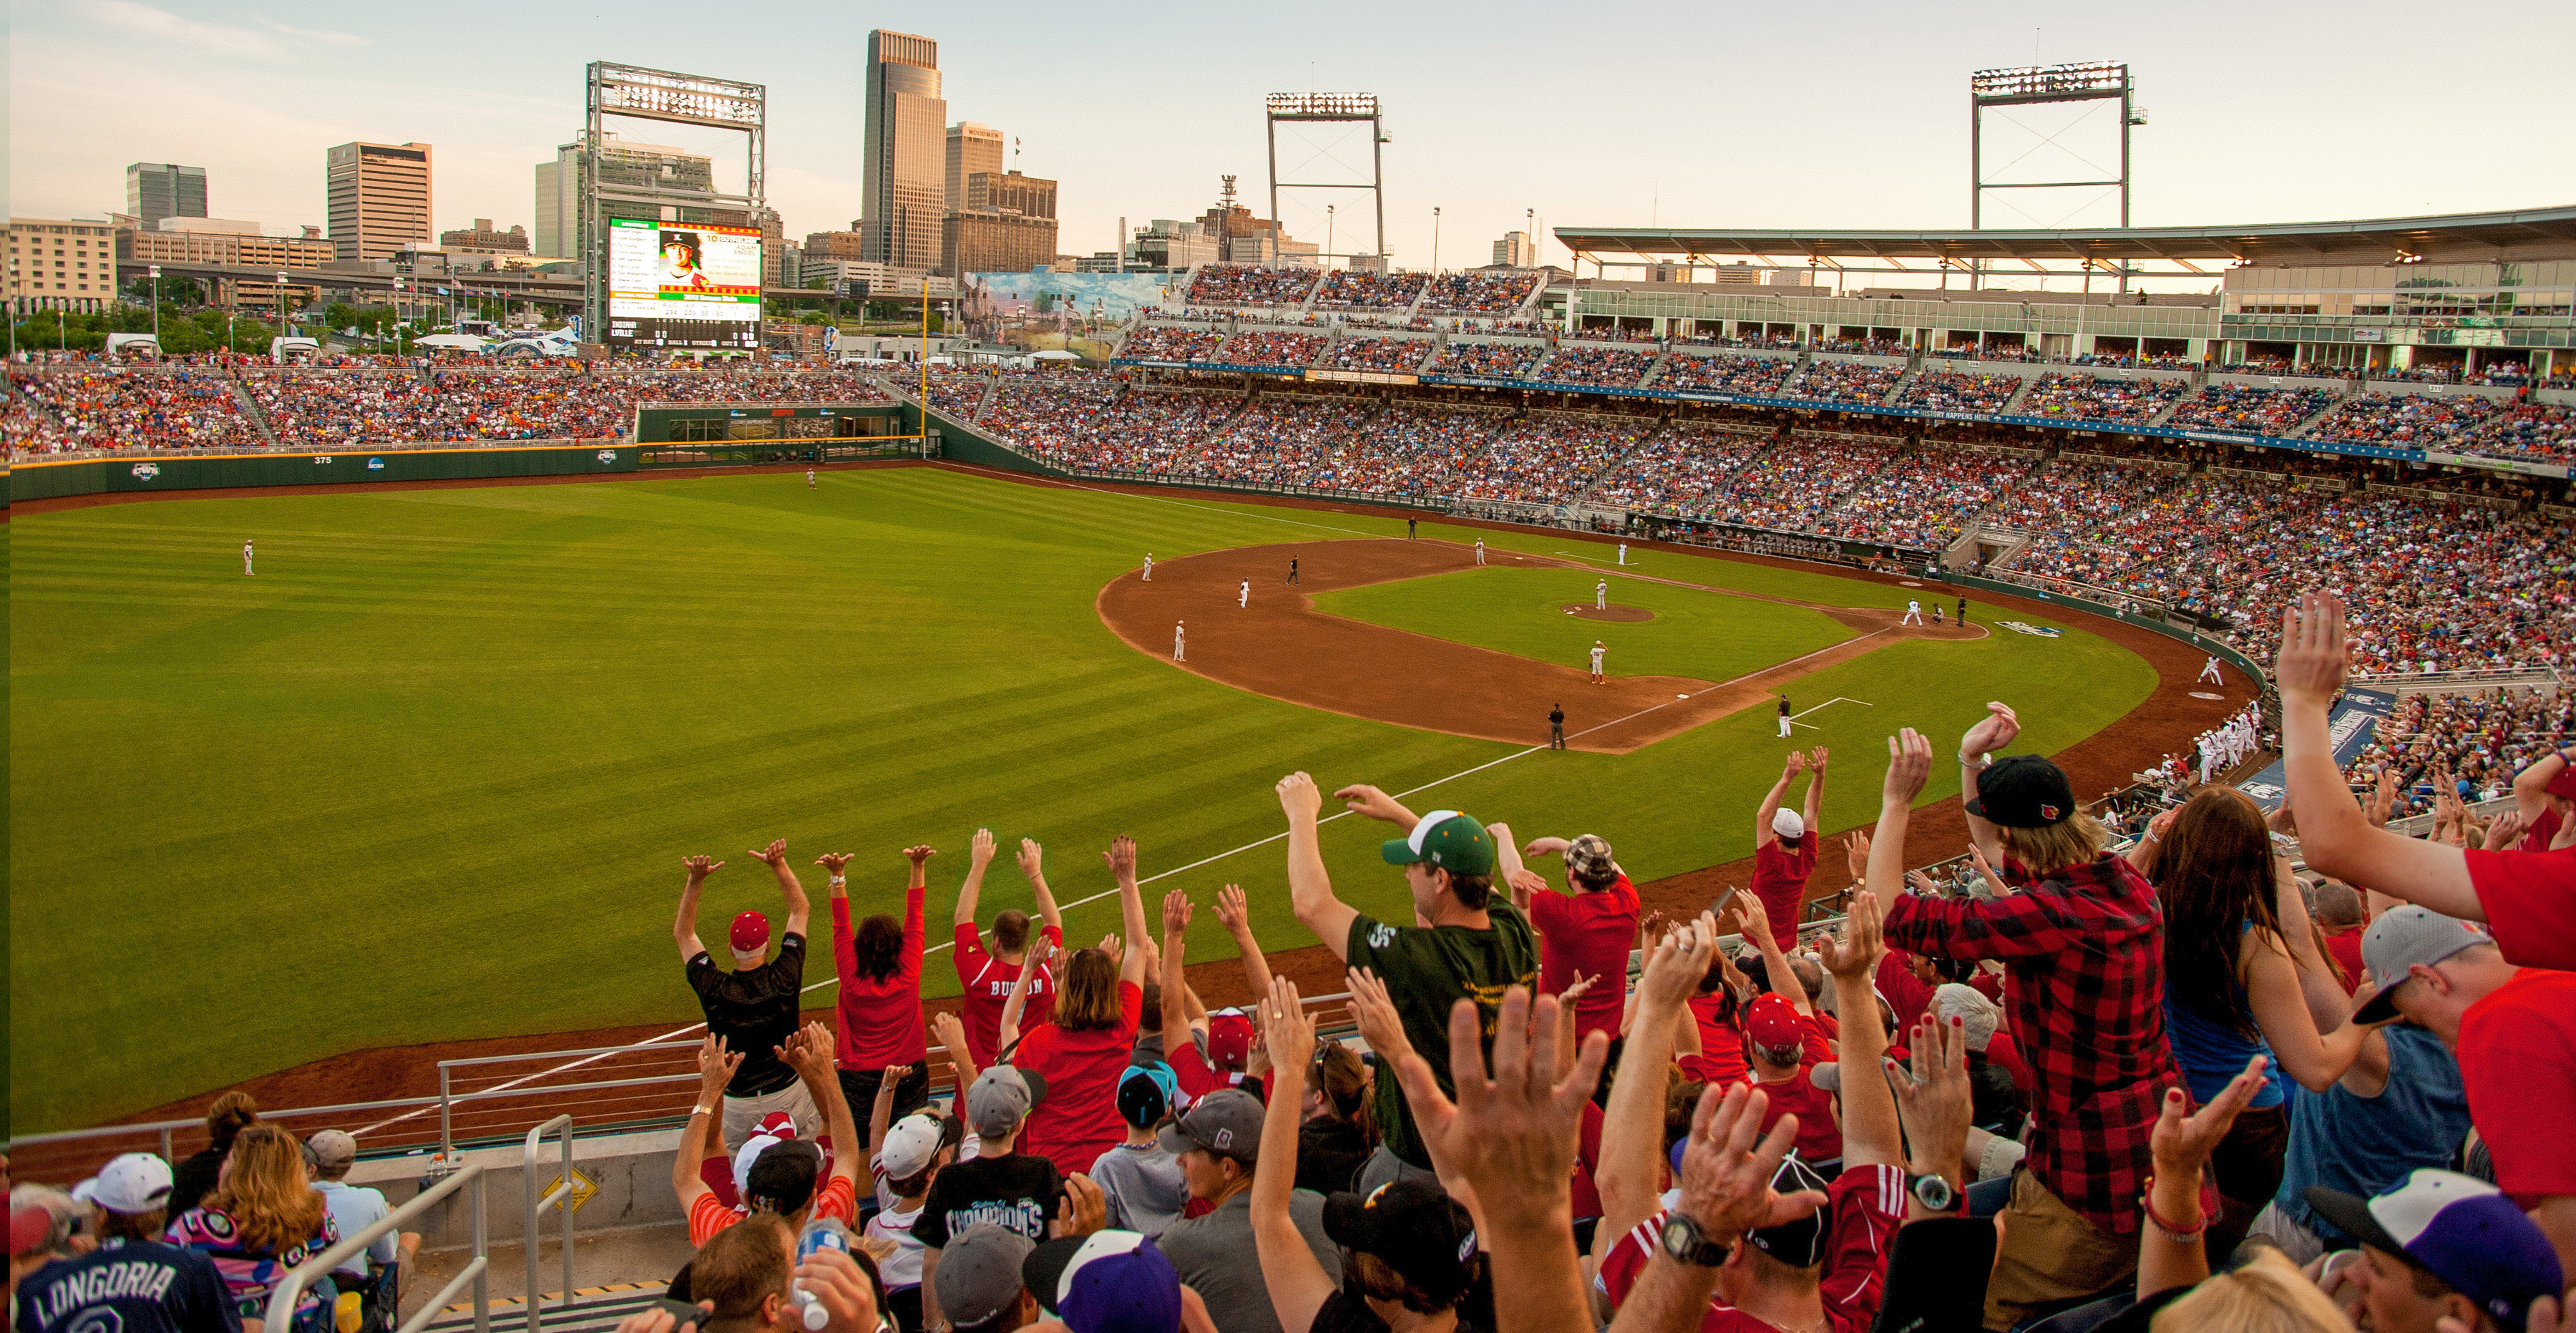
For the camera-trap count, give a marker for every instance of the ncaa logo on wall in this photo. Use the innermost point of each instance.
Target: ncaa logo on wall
(147, 471)
(375, 465)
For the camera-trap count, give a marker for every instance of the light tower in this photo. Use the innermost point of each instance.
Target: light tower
(1331, 109)
(2035, 85)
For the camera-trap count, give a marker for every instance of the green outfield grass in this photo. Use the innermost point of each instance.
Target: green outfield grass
(428, 775)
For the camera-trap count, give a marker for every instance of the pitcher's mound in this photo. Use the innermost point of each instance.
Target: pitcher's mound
(1588, 612)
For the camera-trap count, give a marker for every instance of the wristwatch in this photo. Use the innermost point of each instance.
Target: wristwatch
(1683, 1241)
(1933, 1192)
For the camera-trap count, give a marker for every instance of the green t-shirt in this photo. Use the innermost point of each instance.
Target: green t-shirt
(1427, 971)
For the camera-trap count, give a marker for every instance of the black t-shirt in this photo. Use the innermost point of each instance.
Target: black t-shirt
(1330, 1153)
(754, 1010)
(128, 1287)
(194, 1178)
(1016, 1193)
(1343, 1312)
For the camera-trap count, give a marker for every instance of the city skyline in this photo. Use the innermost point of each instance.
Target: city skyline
(1713, 119)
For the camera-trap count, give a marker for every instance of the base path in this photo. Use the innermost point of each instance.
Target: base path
(1282, 647)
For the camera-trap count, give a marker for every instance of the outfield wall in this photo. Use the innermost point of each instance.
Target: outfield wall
(181, 472)
(2188, 635)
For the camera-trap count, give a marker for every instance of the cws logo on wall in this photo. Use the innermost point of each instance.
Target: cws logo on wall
(146, 471)
(2024, 627)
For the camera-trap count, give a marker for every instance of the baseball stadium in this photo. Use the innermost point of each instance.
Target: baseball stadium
(385, 827)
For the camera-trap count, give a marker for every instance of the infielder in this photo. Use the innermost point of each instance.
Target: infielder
(1149, 566)
(246, 570)
(1243, 595)
(1598, 651)
(1292, 572)
(1480, 550)
(1601, 595)
(2208, 670)
(1913, 613)
(1178, 653)
(1784, 715)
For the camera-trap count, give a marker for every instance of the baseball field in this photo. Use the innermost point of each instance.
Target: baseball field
(429, 773)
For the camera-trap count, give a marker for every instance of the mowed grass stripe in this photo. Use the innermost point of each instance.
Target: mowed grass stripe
(427, 776)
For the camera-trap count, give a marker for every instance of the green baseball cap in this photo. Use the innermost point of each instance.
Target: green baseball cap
(1448, 840)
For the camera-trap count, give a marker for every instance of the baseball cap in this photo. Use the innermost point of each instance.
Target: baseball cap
(1448, 840)
(1000, 1098)
(1413, 1227)
(979, 1274)
(1225, 1121)
(911, 1145)
(1146, 1092)
(1107, 1282)
(2023, 791)
(332, 1147)
(2403, 937)
(772, 1129)
(1799, 1244)
(1588, 858)
(1788, 824)
(783, 1176)
(1770, 1020)
(31, 1227)
(1229, 1043)
(2461, 1230)
(750, 933)
(135, 1182)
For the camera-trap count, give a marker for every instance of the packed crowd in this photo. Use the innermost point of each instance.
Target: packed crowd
(182, 408)
(2118, 402)
(1350, 289)
(2257, 411)
(1846, 382)
(1164, 342)
(1608, 367)
(2465, 746)
(1752, 376)
(1794, 483)
(1487, 360)
(346, 409)
(2407, 421)
(1864, 346)
(1386, 354)
(1481, 292)
(1271, 347)
(2059, 1085)
(1245, 284)
(1922, 497)
(1549, 460)
(2541, 432)
(1952, 391)
(1284, 441)
(1680, 471)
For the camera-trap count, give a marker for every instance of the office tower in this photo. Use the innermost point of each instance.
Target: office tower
(560, 233)
(1007, 226)
(972, 148)
(378, 197)
(1515, 250)
(157, 190)
(903, 172)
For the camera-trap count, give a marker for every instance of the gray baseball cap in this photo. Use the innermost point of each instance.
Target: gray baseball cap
(1225, 1121)
(2402, 938)
(1000, 1099)
(979, 1273)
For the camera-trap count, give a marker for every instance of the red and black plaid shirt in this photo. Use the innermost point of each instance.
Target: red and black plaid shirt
(2084, 949)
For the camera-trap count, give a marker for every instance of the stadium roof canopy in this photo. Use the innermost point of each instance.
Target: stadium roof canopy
(2535, 233)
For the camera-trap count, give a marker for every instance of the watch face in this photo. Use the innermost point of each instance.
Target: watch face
(1935, 1192)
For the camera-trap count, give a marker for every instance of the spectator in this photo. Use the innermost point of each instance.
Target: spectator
(1141, 1179)
(2339, 917)
(1471, 948)
(1338, 1131)
(1997, 1107)
(1782, 1041)
(752, 1009)
(1218, 1142)
(2544, 794)
(132, 1282)
(1077, 1053)
(788, 1177)
(2081, 940)
(2441, 1249)
(980, 1286)
(1408, 1252)
(1001, 1186)
(1717, 1010)
(2400, 1107)
(354, 1208)
(1583, 933)
(747, 1277)
(1785, 844)
(260, 1222)
(195, 1176)
(879, 1013)
(906, 1160)
(986, 978)
(1217, 1052)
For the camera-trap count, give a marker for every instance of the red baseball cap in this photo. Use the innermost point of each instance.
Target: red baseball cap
(750, 933)
(30, 1226)
(1774, 1022)
(1229, 1039)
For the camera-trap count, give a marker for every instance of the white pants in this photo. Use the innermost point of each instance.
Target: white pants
(1177, 654)
(1912, 618)
(743, 1114)
(1600, 601)
(1480, 555)
(2208, 673)
(1784, 724)
(245, 564)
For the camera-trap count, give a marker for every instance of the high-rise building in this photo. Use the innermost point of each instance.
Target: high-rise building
(560, 231)
(484, 238)
(378, 197)
(157, 190)
(61, 264)
(1030, 196)
(903, 172)
(1007, 226)
(1515, 250)
(971, 148)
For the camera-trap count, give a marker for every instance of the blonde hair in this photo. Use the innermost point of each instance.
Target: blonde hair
(2265, 1296)
(2073, 841)
(1088, 999)
(273, 1205)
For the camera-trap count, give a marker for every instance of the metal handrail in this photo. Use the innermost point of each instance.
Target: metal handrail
(559, 1198)
(280, 1314)
(164, 1127)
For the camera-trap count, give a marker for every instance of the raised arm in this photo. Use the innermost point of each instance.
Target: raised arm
(1727, 1168)
(1755, 925)
(1870, 1135)
(1121, 859)
(715, 1070)
(685, 930)
(1363, 799)
(1310, 890)
(1763, 835)
(1236, 916)
(2327, 1002)
(798, 910)
(1298, 1285)
(1630, 1171)
(1030, 962)
(809, 1053)
(2334, 835)
(2531, 785)
(951, 1035)
(2281, 1010)
(1815, 807)
(2172, 1251)
(1993, 732)
(1033, 865)
(845, 944)
(1174, 1020)
(969, 893)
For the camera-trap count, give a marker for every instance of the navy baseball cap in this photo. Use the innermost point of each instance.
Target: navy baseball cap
(2459, 1229)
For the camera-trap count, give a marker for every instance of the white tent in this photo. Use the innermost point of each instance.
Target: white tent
(141, 344)
(1056, 356)
(449, 342)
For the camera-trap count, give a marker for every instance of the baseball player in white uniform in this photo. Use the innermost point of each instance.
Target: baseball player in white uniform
(1913, 613)
(1480, 550)
(1149, 566)
(1178, 648)
(246, 570)
(2208, 669)
(809, 478)
(1598, 651)
(1243, 595)
(1623, 553)
(1601, 595)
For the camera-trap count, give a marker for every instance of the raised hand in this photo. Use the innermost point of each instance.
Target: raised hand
(2310, 667)
(1085, 1210)
(1032, 858)
(1232, 911)
(1977, 857)
(841, 1287)
(1728, 1163)
(715, 1068)
(1374, 1011)
(774, 856)
(1511, 1132)
(1574, 989)
(1529, 881)
(1675, 964)
(1752, 922)
(1797, 764)
(1113, 946)
(1176, 912)
(919, 855)
(1855, 953)
(1364, 799)
(1993, 732)
(1909, 765)
(2182, 1144)
(1298, 796)
(700, 867)
(1856, 853)
(1286, 1029)
(980, 850)
(1816, 760)
(948, 1031)
(1922, 884)
(832, 862)
(1933, 1098)
(1121, 859)
(1546, 846)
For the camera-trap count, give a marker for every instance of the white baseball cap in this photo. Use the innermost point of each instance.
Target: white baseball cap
(911, 1144)
(1788, 824)
(136, 1182)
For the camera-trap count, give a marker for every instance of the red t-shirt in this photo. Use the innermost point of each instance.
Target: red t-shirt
(1819, 1138)
(2346, 948)
(1587, 1159)
(2518, 1065)
(1867, 1206)
(880, 1020)
(1780, 870)
(2544, 831)
(2002, 1051)
(1590, 933)
(839, 1198)
(1198, 1076)
(1078, 1119)
(986, 981)
(2530, 899)
(1908, 996)
(1721, 1043)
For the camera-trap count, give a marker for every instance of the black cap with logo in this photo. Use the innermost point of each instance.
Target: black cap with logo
(2023, 791)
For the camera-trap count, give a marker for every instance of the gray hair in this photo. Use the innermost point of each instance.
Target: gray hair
(1977, 1014)
(63, 1208)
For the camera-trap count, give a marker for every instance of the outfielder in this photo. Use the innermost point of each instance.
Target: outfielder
(2208, 670)
(1598, 651)
(1623, 553)
(1480, 550)
(1913, 613)
(1784, 715)
(1149, 566)
(1243, 595)
(1178, 653)
(809, 478)
(246, 570)
(1601, 595)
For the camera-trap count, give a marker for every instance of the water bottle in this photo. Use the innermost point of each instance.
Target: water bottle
(821, 1233)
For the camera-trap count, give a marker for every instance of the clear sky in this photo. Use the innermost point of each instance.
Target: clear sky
(1604, 114)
